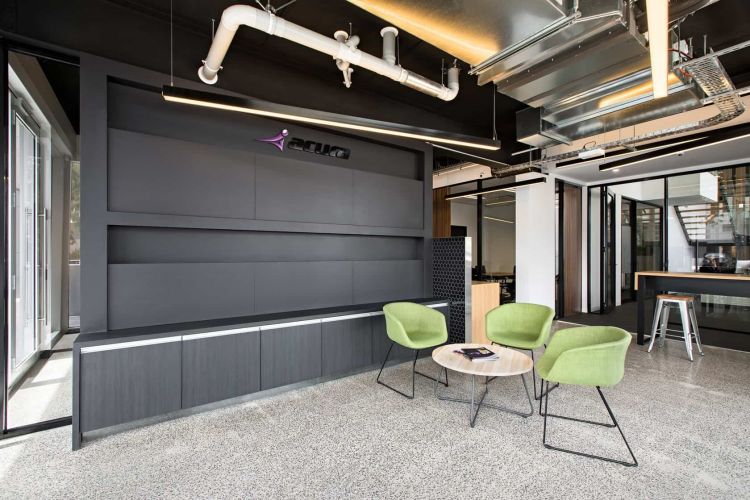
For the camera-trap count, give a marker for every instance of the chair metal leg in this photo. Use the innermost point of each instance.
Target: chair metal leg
(694, 328)
(541, 385)
(686, 330)
(655, 323)
(664, 324)
(634, 463)
(414, 373)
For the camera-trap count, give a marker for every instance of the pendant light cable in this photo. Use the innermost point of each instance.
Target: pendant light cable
(171, 44)
(494, 112)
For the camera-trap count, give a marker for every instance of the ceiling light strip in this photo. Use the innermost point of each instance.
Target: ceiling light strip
(718, 138)
(505, 187)
(322, 118)
(657, 15)
(498, 220)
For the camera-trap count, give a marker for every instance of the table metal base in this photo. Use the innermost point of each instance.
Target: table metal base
(472, 402)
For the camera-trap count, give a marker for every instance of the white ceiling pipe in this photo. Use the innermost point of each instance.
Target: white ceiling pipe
(237, 15)
(389, 34)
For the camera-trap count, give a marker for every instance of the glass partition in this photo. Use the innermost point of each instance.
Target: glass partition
(499, 242)
(709, 232)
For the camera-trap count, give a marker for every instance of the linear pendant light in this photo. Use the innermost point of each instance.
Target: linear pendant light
(504, 187)
(720, 136)
(657, 13)
(496, 219)
(323, 118)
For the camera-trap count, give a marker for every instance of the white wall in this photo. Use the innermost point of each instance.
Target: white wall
(535, 242)
(464, 213)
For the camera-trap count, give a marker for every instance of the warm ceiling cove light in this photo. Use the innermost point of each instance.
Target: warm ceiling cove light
(322, 118)
(657, 13)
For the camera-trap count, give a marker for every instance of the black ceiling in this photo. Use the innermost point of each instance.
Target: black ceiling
(726, 22)
(472, 107)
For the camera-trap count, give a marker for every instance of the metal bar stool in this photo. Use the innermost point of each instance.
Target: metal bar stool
(686, 304)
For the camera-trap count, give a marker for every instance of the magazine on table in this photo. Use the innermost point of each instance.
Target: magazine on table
(477, 354)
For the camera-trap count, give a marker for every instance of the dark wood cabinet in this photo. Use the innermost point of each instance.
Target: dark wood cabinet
(347, 343)
(124, 382)
(220, 365)
(290, 353)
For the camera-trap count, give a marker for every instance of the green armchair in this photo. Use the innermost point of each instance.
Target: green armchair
(592, 356)
(521, 326)
(416, 327)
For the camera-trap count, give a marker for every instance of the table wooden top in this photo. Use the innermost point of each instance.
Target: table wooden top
(710, 276)
(511, 362)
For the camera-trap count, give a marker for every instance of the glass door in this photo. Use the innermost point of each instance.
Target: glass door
(608, 262)
(26, 249)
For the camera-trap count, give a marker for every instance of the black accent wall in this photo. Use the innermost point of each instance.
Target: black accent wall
(186, 216)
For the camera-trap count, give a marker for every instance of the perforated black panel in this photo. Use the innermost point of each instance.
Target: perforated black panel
(449, 281)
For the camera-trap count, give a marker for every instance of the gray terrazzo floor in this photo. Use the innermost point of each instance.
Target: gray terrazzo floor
(686, 422)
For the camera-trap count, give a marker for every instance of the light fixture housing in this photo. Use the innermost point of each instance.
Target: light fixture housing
(587, 154)
(322, 118)
(657, 14)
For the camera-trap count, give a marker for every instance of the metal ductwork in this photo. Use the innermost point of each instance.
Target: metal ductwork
(342, 48)
(583, 67)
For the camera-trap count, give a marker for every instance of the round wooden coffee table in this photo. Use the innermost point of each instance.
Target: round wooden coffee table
(511, 363)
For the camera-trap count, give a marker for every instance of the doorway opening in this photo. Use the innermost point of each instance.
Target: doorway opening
(41, 130)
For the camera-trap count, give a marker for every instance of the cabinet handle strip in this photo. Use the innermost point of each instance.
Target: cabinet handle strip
(127, 345)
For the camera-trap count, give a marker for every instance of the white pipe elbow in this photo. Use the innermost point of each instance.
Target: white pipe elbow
(236, 15)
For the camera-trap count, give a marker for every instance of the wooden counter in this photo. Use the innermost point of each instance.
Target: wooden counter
(485, 296)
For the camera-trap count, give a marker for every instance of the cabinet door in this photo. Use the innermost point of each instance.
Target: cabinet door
(125, 382)
(220, 365)
(290, 353)
(347, 343)
(381, 343)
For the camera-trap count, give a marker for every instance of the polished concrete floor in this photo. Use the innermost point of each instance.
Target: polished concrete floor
(45, 391)
(351, 438)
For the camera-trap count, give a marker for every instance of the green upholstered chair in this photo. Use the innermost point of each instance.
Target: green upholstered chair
(416, 327)
(521, 326)
(592, 356)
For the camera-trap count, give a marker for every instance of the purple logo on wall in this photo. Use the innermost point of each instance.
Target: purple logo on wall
(303, 145)
(277, 140)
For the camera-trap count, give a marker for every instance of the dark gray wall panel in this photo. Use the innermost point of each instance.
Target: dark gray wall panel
(143, 111)
(347, 345)
(302, 191)
(222, 367)
(290, 355)
(146, 245)
(154, 174)
(152, 294)
(377, 281)
(122, 385)
(288, 286)
(381, 200)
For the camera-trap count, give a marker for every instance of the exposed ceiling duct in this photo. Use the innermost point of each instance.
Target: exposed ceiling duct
(342, 48)
(582, 67)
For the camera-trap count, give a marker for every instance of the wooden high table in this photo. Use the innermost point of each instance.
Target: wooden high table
(732, 285)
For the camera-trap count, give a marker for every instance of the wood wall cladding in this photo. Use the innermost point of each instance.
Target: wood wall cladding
(441, 213)
(572, 247)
